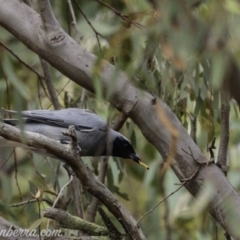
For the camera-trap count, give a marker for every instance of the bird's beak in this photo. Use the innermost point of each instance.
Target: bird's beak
(144, 165)
(137, 159)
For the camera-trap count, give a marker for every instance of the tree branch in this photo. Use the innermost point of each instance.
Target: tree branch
(49, 84)
(84, 174)
(69, 221)
(47, 16)
(225, 112)
(74, 21)
(93, 206)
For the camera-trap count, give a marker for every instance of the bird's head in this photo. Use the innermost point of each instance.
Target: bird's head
(121, 147)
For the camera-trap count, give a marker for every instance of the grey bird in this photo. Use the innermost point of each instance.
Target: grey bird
(95, 138)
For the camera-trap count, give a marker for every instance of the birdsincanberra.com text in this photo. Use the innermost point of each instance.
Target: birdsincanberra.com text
(20, 232)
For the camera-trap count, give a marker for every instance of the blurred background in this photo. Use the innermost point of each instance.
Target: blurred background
(176, 50)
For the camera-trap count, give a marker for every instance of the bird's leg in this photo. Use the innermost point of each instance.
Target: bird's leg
(74, 143)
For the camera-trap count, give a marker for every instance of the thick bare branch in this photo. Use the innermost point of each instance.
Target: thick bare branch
(69, 221)
(47, 16)
(84, 174)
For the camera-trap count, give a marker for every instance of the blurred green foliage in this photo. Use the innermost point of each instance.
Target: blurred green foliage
(174, 51)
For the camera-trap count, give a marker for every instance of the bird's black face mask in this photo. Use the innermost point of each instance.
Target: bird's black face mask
(123, 148)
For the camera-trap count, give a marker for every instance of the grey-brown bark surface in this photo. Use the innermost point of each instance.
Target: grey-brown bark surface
(62, 52)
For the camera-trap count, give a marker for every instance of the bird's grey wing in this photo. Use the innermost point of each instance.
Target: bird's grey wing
(91, 131)
(82, 119)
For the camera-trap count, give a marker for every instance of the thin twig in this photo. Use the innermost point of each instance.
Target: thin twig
(77, 198)
(194, 128)
(211, 148)
(21, 61)
(49, 21)
(113, 231)
(49, 84)
(74, 22)
(190, 154)
(75, 186)
(225, 112)
(61, 191)
(6, 80)
(195, 160)
(162, 187)
(124, 17)
(39, 216)
(64, 87)
(60, 92)
(216, 229)
(40, 77)
(93, 206)
(144, 215)
(184, 181)
(192, 176)
(60, 195)
(6, 159)
(81, 105)
(68, 22)
(55, 175)
(32, 200)
(75, 150)
(16, 174)
(39, 94)
(90, 24)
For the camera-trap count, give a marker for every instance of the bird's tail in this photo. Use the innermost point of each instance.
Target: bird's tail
(12, 122)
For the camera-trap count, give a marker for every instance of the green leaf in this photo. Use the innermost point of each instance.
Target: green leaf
(123, 195)
(110, 179)
(218, 69)
(36, 224)
(232, 6)
(204, 91)
(14, 80)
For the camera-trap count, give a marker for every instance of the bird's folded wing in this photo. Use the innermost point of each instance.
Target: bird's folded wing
(63, 118)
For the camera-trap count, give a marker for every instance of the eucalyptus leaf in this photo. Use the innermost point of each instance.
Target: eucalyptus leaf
(36, 224)
(14, 80)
